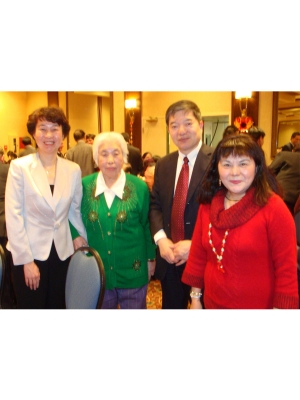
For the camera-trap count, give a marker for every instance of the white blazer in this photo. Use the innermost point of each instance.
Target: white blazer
(34, 218)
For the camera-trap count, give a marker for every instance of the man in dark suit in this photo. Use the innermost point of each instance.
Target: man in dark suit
(286, 167)
(82, 154)
(29, 149)
(185, 126)
(295, 138)
(134, 156)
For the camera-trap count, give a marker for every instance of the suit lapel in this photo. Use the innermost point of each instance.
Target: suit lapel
(60, 181)
(170, 173)
(40, 178)
(199, 169)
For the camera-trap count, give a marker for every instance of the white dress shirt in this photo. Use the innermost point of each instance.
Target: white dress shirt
(117, 188)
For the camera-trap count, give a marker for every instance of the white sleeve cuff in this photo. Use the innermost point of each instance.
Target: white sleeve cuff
(159, 235)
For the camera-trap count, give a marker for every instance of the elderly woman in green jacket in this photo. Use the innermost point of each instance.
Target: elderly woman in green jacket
(114, 211)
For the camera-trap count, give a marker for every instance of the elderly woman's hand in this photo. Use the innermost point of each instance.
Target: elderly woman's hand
(79, 242)
(151, 268)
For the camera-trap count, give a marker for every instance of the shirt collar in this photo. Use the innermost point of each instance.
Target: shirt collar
(117, 189)
(192, 155)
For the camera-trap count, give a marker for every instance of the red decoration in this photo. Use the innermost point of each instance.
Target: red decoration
(243, 123)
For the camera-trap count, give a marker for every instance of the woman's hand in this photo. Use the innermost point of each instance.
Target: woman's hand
(79, 242)
(32, 275)
(196, 304)
(151, 268)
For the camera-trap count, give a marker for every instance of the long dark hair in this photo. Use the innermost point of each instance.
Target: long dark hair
(239, 145)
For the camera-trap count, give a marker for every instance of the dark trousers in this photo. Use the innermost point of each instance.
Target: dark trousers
(175, 294)
(51, 291)
(8, 296)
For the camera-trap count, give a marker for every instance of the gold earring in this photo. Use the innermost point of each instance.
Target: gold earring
(220, 182)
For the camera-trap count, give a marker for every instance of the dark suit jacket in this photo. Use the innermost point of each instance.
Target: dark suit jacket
(286, 167)
(135, 159)
(28, 150)
(82, 154)
(162, 198)
(3, 178)
(287, 147)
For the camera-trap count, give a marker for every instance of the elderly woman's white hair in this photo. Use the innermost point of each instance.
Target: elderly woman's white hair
(105, 136)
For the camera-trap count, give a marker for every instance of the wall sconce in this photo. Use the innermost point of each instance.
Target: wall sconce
(243, 96)
(243, 123)
(130, 106)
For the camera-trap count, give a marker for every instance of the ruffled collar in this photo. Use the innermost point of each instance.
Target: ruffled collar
(236, 215)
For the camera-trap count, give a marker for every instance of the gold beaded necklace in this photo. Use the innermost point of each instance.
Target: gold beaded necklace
(219, 256)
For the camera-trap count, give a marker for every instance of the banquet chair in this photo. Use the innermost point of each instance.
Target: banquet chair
(2, 273)
(85, 282)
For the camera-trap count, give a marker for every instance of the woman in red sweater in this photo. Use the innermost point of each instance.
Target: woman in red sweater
(243, 250)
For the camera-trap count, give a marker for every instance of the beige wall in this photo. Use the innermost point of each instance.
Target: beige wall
(83, 114)
(155, 104)
(13, 116)
(16, 106)
(265, 121)
(118, 113)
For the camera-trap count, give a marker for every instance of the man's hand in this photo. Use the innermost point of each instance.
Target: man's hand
(166, 250)
(151, 268)
(181, 251)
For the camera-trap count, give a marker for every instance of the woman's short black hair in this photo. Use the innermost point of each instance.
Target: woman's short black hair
(51, 114)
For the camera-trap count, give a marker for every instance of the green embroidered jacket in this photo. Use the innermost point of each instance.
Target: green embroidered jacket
(121, 234)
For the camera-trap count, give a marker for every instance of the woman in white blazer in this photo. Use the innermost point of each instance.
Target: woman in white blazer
(43, 193)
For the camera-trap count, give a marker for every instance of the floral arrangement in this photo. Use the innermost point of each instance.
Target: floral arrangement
(243, 123)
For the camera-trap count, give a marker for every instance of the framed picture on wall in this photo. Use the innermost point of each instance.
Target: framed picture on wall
(285, 131)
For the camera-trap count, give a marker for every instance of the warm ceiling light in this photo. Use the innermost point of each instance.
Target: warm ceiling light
(130, 103)
(243, 94)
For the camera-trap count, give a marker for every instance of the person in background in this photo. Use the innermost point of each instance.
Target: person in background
(11, 156)
(295, 138)
(243, 250)
(148, 171)
(89, 138)
(29, 149)
(146, 156)
(257, 134)
(43, 193)
(173, 232)
(148, 174)
(59, 151)
(286, 167)
(8, 298)
(134, 156)
(81, 153)
(230, 130)
(115, 210)
(297, 206)
(127, 168)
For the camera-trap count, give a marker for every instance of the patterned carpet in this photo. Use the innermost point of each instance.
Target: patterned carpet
(154, 295)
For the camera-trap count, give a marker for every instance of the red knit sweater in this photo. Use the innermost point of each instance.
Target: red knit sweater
(259, 259)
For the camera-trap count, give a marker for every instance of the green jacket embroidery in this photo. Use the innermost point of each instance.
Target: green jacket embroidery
(121, 234)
